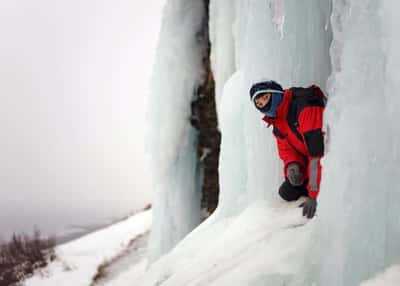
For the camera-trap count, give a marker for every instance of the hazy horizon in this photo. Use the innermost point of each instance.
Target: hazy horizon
(73, 82)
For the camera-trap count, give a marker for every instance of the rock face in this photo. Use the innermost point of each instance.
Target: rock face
(204, 119)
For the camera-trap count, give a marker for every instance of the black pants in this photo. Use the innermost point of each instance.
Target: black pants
(292, 193)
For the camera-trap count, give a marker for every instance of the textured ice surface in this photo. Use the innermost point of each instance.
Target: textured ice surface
(248, 240)
(359, 226)
(261, 53)
(222, 17)
(172, 139)
(278, 15)
(357, 230)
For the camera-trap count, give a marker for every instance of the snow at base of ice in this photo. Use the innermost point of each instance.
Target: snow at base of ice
(391, 277)
(133, 273)
(263, 244)
(78, 260)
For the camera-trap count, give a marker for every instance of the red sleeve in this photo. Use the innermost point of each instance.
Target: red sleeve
(310, 126)
(287, 153)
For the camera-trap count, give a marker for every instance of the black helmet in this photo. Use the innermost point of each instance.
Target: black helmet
(264, 87)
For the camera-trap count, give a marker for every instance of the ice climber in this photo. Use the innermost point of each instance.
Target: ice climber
(296, 116)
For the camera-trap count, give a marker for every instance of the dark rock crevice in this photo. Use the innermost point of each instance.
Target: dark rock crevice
(204, 119)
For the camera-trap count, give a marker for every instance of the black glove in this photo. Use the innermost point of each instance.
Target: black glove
(309, 207)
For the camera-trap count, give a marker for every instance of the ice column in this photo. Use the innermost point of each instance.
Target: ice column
(359, 226)
(172, 140)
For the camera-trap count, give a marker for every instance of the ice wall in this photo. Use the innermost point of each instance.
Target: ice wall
(246, 39)
(172, 140)
(357, 229)
(359, 226)
(270, 40)
(222, 17)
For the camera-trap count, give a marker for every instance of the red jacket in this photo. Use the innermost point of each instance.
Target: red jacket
(298, 131)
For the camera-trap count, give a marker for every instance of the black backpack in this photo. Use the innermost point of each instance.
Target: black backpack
(301, 98)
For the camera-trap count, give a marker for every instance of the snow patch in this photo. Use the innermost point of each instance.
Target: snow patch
(252, 248)
(390, 277)
(78, 260)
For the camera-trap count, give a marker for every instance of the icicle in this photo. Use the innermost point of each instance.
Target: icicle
(278, 15)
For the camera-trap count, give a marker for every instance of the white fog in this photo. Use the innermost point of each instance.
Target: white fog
(73, 83)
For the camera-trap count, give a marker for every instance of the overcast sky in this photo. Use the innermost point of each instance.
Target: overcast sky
(73, 87)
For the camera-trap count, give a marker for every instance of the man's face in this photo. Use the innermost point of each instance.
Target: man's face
(262, 100)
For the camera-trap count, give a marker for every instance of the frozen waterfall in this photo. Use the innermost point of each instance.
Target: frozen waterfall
(359, 224)
(172, 140)
(349, 48)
